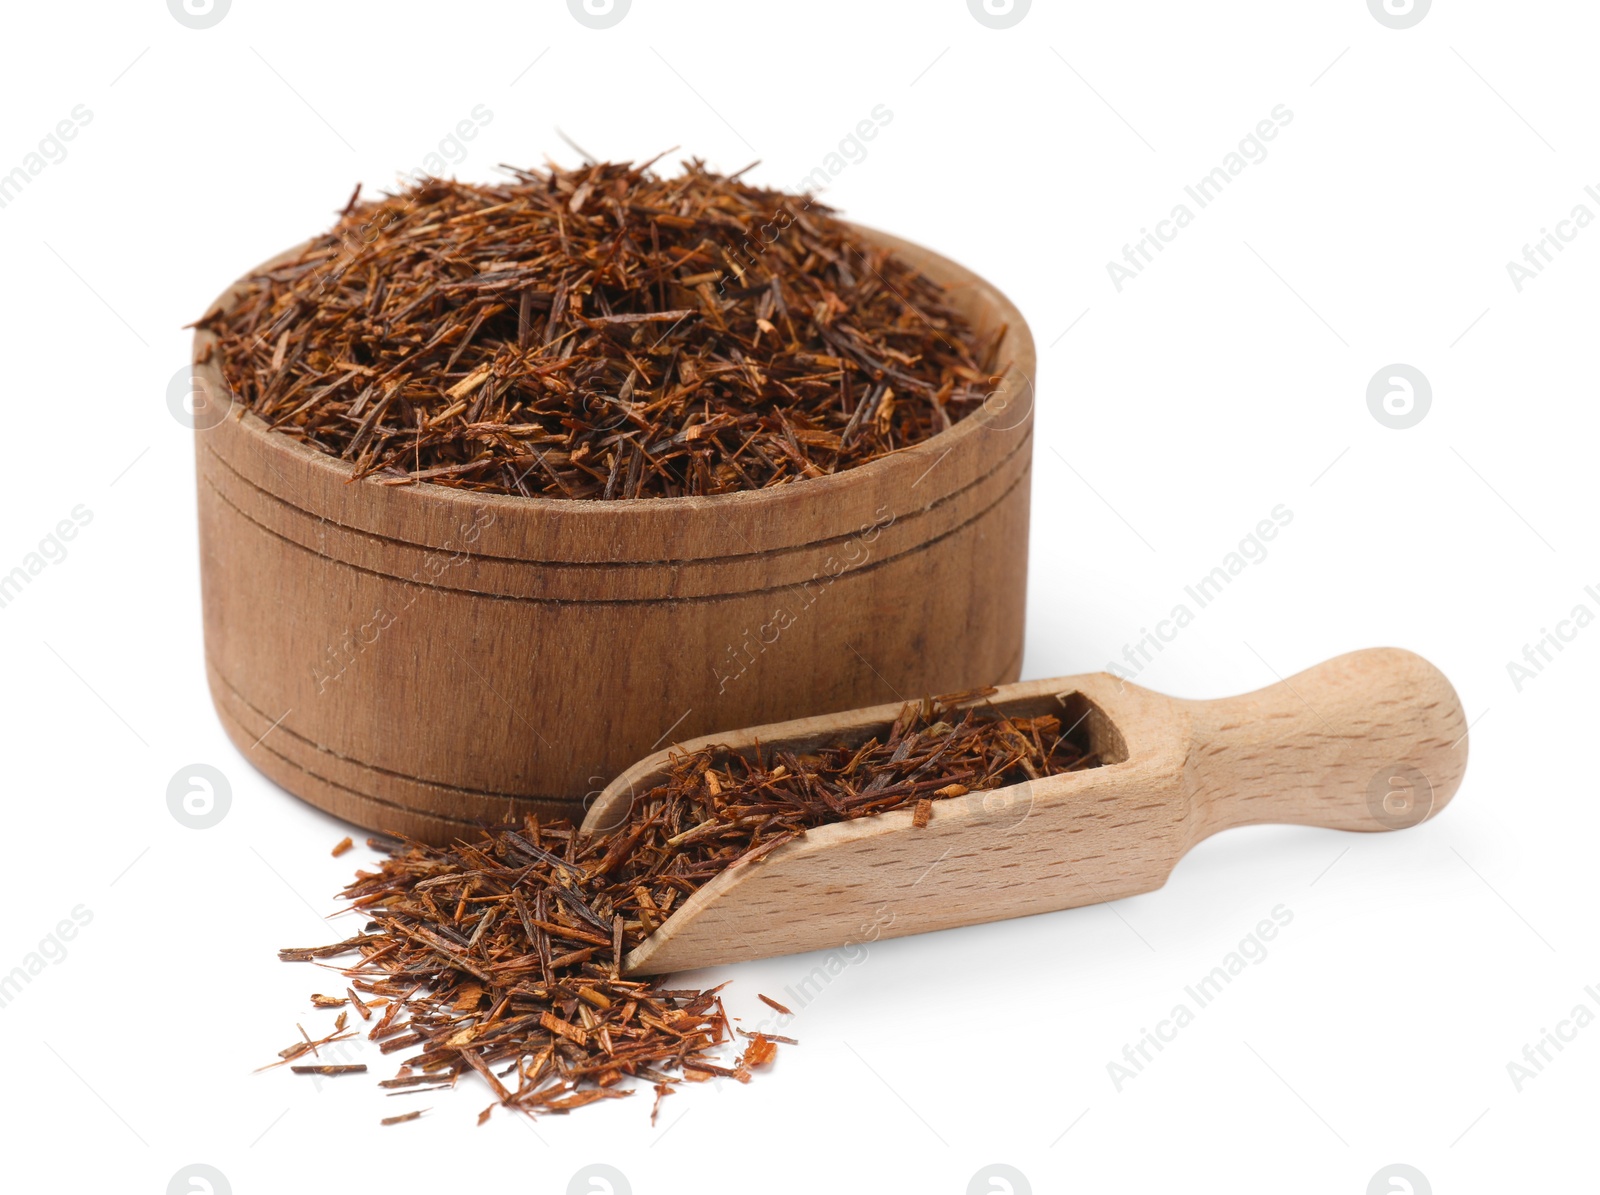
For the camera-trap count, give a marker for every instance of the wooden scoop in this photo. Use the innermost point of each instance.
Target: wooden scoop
(1373, 740)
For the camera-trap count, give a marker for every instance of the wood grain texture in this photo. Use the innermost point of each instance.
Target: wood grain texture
(1373, 740)
(420, 660)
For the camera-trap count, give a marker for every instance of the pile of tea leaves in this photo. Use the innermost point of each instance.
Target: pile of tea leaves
(599, 333)
(503, 956)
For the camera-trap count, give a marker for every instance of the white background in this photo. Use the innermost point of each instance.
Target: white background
(1228, 378)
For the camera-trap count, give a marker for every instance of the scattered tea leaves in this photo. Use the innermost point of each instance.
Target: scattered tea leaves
(504, 956)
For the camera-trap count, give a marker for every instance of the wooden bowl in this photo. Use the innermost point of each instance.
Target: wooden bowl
(419, 660)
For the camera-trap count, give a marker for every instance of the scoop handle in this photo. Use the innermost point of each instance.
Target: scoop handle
(1372, 740)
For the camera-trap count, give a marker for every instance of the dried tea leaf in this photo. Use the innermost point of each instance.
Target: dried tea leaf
(759, 1052)
(357, 1068)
